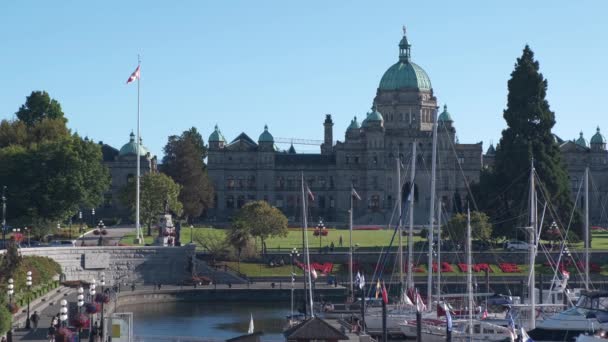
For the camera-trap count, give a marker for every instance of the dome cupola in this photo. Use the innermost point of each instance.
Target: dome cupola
(405, 73)
(373, 117)
(354, 124)
(581, 140)
(216, 136)
(445, 115)
(130, 148)
(597, 138)
(266, 136)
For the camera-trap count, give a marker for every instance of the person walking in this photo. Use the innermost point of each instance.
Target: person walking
(340, 241)
(95, 331)
(35, 318)
(51, 333)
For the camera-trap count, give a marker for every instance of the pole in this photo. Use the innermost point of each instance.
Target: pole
(410, 234)
(429, 279)
(137, 226)
(469, 273)
(439, 251)
(587, 242)
(4, 216)
(305, 297)
(312, 312)
(384, 328)
(532, 294)
(363, 309)
(418, 326)
(399, 225)
(350, 246)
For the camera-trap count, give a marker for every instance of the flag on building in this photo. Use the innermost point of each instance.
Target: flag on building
(134, 76)
(355, 194)
(565, 274)
(309, 193)
(362, 283)
(313, 273)
(378, 287)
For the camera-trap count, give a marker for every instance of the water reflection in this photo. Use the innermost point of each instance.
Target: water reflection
(204, 319)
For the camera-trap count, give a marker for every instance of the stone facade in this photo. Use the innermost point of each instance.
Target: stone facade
(404, 112)
(168, 265)
(122, 165)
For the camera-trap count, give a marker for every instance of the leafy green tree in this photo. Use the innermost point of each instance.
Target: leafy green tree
(5, 318)
(38, 106)
(183, 161)
(262, 220)
(9, 262)
(156, 190)
(215, 243)
(238, 237)
(456, 228)
(527, 136)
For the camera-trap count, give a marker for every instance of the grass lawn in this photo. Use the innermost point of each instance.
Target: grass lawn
(129, 239)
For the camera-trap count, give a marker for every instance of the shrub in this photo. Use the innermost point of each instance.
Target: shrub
(5, 319)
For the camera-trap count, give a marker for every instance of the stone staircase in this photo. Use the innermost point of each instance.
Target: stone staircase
(218, 275)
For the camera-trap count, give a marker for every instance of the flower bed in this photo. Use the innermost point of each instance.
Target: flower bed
(509, 267)
(445, 267)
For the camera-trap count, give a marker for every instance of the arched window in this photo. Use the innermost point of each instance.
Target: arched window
(375, 203)
(229, 201)
(240, 202)
(230, 183)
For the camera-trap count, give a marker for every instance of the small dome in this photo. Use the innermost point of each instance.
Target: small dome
(598, 138)
(217, 136)
(354, 124)
(405, 73)
(131, 147)
(266, 136)
(373, 116)
(445, 115)
(581, 140)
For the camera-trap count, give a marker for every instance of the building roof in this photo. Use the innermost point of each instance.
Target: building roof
(291, 150)
(445, 115)
(314, 329)
(108, 152)
(405, 73)
(131, 147)
(217, 136)
(491, 150)
(373, 116)
(266, 136)
(354, 124)
(598, 138)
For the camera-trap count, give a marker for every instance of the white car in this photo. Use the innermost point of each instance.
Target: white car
(515, 245)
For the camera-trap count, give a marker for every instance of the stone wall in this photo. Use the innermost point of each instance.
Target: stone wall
(125, 264)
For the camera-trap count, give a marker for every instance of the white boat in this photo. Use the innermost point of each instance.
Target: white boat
(436, 330)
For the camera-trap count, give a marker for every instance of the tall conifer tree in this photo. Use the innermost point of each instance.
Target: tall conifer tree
(528, 136)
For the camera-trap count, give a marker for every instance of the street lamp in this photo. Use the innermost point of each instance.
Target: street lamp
(103, 283)
(294, 253)
(80, 304)
(15, 231)
(63, 312)
(26, 229)
(80, 219)
(93, 217)
(28, 283)
(321, 228)
(92, 295)
(10, 292)
(4, 215)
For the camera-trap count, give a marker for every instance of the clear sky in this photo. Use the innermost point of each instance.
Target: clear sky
(243, 64)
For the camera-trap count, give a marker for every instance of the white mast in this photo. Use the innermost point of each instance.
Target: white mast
(312, 311)
(429, 279)
(410, 234)
(140, 236)
(350, 244)
(439, 251)
(469, 273)
(399, 225)
(531, 285)
(587, 228)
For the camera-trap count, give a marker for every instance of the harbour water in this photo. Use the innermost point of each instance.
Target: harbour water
(210, 320)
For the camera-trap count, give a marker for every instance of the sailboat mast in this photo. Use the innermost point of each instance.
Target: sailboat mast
(587, 228)
(531, 287)
(469, 273)
(399, 225)
(312, 312)
(410, 234)
(429, 279)
(350, 245)
(439, 204)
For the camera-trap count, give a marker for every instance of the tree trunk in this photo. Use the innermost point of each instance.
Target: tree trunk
(149, 229)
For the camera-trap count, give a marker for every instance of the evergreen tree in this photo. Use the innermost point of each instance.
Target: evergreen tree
(527, 136)
(38, 106)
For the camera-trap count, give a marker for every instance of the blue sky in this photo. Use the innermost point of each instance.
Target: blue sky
(243, 64)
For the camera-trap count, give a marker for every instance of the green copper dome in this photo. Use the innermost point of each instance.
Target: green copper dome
(445, 115)
(131, 147)
(405, 73)
(598, 138)
(266, 136)
(354, 124)
(216, 136)
(581, 141)
(373, 116)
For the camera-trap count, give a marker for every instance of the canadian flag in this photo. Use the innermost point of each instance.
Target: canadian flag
(134, 76)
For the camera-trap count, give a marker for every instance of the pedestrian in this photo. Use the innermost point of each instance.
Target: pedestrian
(133, 287)
(331, 247)
(35, 318)
(340, 241)
(3, 339)
(159, 285)
(95, 331)
(51, 333)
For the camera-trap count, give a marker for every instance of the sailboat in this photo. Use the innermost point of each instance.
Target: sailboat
(251, 328)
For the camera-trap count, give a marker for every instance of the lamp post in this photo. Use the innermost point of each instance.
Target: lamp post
(321, 228)
(63, 312)
(80, 304)
(4, 215)
(93, 217)
(92, 295)
(80, 219)
(10, 292)
(100, 226)
(103, 284)
(28, 283)
(27, 230)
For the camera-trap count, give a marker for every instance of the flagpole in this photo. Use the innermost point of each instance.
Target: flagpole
(305, 213)
(137, 225)
(350, 245)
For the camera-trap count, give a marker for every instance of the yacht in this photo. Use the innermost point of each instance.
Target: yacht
(435, 330)
(588, 315)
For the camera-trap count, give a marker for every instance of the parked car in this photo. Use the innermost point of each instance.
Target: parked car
(515, 245)
(62, 243)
